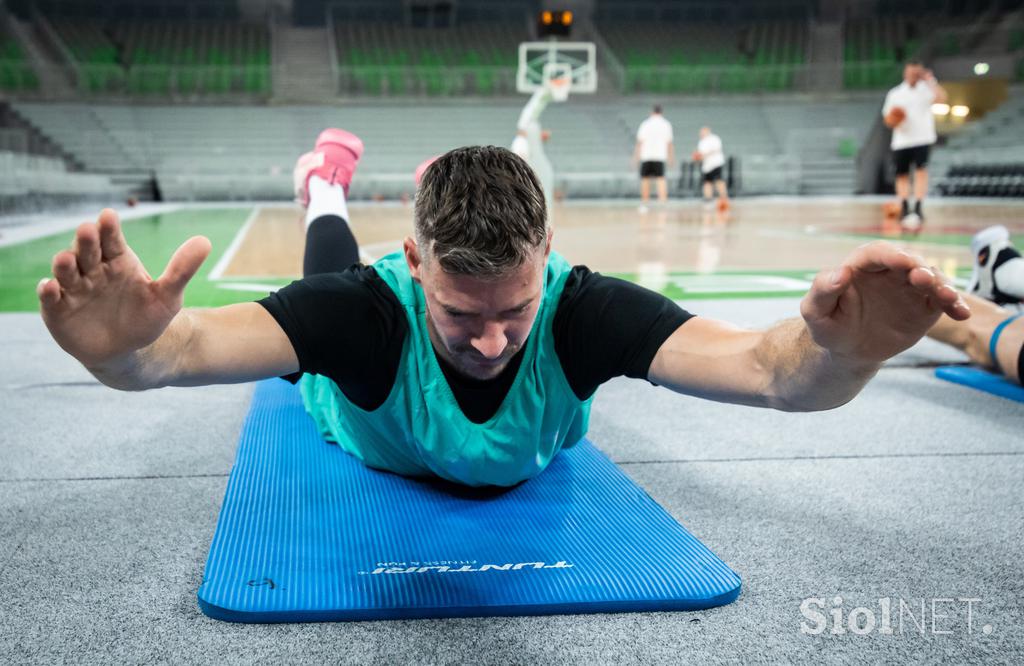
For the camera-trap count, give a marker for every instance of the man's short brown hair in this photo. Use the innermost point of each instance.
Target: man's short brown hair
(480, 211)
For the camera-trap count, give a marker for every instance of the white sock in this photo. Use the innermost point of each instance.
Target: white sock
(325, 199)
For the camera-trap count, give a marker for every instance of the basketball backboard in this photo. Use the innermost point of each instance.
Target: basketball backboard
(540, 61)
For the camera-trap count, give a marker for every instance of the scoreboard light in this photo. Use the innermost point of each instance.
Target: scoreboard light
(554, 23)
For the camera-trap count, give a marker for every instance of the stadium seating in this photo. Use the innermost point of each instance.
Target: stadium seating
(984, 180)
(169, 58)
(95, 54)
(698, 57)
(387, 59)
(224, 152)
(874, 51)
(27, 179)
(15, 72)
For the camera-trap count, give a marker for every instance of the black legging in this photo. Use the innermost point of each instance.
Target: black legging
(330, 246)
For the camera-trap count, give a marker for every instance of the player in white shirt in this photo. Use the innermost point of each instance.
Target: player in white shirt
(529, 142)
(653, 150)
(712, 158)
(908, 111)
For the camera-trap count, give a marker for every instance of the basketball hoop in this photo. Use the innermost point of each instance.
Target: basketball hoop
(559, 88)
(543, 62)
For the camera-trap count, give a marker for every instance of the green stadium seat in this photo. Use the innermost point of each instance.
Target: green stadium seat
(1016, 39)
(485, 80)
(396, 80)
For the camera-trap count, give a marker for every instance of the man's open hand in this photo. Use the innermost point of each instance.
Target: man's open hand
(101, 303)
(879, 302)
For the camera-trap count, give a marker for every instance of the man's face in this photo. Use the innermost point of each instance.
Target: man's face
(912, 74)
(704, 132)
(475, 324)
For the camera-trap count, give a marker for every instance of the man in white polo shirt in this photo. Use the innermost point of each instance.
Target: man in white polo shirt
(653, 150)
(908, 111)
(712, 158)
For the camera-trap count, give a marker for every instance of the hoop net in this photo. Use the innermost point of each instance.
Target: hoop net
(558, 79)
(559, 89)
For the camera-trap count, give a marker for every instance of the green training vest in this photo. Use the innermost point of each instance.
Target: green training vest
(420, 429)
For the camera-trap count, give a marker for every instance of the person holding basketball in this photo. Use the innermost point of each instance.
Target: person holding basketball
(908, 112)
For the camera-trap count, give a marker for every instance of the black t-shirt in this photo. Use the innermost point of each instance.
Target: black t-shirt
(349, 326)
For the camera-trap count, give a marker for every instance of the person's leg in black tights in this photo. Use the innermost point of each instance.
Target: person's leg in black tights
(330, 246)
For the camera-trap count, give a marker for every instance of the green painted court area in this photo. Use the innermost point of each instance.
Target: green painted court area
(155, 238)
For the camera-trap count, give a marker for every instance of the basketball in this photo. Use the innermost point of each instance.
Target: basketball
(895, 117)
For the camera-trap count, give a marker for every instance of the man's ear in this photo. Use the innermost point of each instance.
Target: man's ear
(412, 257)
(547, 246)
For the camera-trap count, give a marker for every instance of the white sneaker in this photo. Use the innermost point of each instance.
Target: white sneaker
(912, 222)
(997, 273)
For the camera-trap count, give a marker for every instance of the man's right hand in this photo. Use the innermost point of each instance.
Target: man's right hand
(102, 305)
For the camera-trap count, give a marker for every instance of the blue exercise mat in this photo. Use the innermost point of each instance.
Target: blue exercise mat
(307, 533)
(981, 380)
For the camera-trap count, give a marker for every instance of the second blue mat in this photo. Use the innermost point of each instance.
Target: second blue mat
(981, 380)
(307, 533)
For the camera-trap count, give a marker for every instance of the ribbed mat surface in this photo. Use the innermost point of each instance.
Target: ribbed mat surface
(308, 533)
(981, 380)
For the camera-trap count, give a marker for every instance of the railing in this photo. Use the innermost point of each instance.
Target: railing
(873, 74)
(174, 80)
(388, 80)
(691, 79)
(190, 82)
(19, 79)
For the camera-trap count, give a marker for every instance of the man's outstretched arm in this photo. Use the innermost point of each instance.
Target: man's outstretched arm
(878, 303)
(130, 331)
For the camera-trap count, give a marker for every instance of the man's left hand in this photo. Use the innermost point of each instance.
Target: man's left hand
(879, 302)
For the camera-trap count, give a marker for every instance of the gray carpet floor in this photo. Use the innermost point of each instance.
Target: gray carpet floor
(910, 494)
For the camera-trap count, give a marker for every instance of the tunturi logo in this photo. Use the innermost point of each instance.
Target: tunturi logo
(466, 568)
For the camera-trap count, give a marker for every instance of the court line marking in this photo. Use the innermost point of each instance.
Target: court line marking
(236, 242)
(249, 286)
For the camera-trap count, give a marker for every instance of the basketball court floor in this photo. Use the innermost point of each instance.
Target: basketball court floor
(905, 499)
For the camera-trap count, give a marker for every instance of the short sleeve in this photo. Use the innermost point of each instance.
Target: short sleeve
(606, 327)
(348, 326)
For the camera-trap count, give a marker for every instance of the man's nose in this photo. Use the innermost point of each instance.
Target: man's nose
(491, 341)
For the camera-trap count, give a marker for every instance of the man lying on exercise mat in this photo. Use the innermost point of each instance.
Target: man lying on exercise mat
(474, 353)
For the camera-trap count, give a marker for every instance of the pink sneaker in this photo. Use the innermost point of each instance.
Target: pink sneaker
(334, 159)
(417, 176)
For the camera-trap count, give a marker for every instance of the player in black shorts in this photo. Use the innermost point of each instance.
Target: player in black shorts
(907, 111)
(710, 156)
(652, 169)
(431, 348)
(654, 151)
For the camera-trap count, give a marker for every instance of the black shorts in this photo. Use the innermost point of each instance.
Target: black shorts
(652, 169)
(712, 176)
(916, 155)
